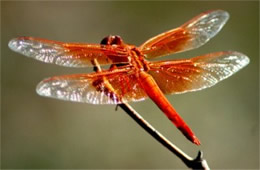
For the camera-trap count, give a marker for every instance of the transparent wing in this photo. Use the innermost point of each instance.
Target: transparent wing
(97, 88)
(190, 35)
(68, 54)
(197, 73)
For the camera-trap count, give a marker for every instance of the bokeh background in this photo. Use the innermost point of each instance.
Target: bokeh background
(39, 132)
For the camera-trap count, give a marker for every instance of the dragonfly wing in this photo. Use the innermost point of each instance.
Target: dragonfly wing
(96, 88)
(197, 73)
(190, 35)
(68, 54)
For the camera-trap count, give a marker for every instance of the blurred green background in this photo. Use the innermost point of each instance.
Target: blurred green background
(41, 132)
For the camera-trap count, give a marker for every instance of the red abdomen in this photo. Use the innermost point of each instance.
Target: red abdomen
(154, 92)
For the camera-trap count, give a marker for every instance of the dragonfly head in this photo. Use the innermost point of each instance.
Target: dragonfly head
(112, 40)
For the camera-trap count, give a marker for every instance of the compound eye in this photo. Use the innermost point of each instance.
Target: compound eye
(106, 40)
(112, 40)
(117, 40)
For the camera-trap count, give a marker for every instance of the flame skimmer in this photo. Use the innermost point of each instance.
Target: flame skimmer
(131, 77)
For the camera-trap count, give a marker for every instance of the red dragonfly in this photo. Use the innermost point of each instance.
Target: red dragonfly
(131, 77)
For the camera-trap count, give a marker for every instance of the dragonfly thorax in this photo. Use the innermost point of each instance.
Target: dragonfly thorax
(137, 58)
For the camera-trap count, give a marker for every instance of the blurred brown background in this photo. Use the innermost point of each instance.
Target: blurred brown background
(41, 132)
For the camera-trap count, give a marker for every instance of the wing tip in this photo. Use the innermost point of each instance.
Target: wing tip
(53, 88)
(13, 44)
(238, 58)
(42, 89)
(221, 12)
(213, 20)
(19, 44)
(243, 60)
(224, 15)
(217, 12)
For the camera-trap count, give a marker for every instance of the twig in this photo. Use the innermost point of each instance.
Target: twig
(196, 163)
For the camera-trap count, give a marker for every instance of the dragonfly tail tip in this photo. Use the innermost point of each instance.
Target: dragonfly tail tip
(196, 141)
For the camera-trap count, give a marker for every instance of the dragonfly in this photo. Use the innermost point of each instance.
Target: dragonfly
(131, 77)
